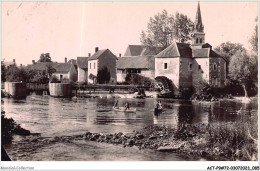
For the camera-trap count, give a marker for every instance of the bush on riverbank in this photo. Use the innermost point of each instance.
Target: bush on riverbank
(136, 79)
(7, 127)
(10, 127)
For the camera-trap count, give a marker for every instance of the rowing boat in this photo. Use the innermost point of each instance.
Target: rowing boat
(122, 109)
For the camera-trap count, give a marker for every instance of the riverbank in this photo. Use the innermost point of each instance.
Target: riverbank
(191, 141)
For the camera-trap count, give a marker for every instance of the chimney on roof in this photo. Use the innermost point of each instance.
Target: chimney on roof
(33, 61)
(21, 65)
(119, 54)
(13, 60)
(96, 49)
(65, 59)
(89, 54)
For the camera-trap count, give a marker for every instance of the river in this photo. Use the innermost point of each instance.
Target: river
(60, 117)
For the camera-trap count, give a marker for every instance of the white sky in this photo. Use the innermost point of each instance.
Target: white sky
(71, 29)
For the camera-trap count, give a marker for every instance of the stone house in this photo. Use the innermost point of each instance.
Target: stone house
(137, 59)
(82, 63)
(99, 60)
(62, 70)
(182, 66)
(142, 65)
(65, 71)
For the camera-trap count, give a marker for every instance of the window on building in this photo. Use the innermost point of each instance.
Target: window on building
(215, 66)
(197, 40)
(199, 67)
(61, 76)
(190, 67)
(200, 40)
(89, 65)
(165, 66)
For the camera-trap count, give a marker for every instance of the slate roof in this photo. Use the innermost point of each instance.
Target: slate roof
(59, 67)
(82, 62)
(138, 62)
(184, 50)
(176, 50)
(62, 67)
(100, 53)
(134, 50)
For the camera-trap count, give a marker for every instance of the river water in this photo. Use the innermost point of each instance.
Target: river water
(60, 117)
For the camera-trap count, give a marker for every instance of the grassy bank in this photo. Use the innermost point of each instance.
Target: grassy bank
(211, 142)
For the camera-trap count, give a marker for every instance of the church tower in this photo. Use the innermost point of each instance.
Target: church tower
(198, 36)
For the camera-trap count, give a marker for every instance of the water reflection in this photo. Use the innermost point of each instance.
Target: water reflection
(67, 117)
(59, 116)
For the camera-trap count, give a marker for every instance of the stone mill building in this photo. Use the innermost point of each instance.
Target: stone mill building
(182, 66)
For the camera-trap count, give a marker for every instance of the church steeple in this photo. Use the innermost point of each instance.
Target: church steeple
(198, 21)
(198, 36)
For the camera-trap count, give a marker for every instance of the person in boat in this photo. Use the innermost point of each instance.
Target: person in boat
(116, 105)
(159, 106)
(127, 106)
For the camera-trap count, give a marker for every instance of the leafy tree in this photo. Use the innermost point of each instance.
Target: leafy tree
(254, 39)
(228, 49)
(7, 127)
(163, 28)
(254, 55)
(50, 70)
(183, 27)
(54, 79)
(3, 72)
(240, 68)
(38, 76)
(15, 74)
(103, 75)
(92, 77)
(45, 57)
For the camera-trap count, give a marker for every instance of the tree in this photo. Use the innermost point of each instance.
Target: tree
(163, 28)
(228, 49)
(3, 72)
(54, 79)
(45, 57)
(254, 39)
(103, 75)
(38, 76)
(92, 77)
(254, 55)
(50, 70)
(183, 27)
(15, 74)
(240, 68)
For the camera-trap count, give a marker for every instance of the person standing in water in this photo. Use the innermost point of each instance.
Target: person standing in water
(159, 105)
(116, 105)
(127, 106)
